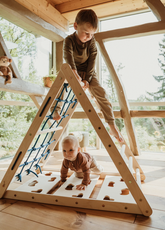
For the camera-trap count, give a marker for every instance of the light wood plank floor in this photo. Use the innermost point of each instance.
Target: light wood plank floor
(18, 215)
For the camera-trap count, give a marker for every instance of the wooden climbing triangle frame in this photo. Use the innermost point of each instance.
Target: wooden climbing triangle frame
(137, 204)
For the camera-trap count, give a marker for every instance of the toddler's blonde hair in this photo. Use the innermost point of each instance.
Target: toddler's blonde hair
(70, 139)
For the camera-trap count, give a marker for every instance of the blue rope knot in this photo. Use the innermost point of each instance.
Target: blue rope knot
(38, 167)
(19, 177)
(30, 171)
(35, 159)
(65, 86)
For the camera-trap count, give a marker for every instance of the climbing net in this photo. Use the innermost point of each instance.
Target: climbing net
(43, 151)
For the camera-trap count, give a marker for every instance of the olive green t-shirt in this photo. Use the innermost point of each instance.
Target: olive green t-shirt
(81, 56)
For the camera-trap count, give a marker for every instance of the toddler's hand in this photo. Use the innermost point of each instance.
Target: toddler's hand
(81, 187)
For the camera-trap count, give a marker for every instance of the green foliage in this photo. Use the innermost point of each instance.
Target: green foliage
(26, 46)
(15, 120)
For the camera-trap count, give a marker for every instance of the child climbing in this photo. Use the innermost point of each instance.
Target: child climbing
(80, 53)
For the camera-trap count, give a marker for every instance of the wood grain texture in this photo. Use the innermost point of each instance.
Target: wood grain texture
(77, 218)
(71, 218)
(42, 112)
(106, 140)
(28, 20)
(157, 8)
(17, 223)
(47, 12)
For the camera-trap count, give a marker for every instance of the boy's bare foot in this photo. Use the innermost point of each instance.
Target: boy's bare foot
(56, 116)
(114, 132)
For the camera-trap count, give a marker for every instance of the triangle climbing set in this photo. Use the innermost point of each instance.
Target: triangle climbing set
(119, 194)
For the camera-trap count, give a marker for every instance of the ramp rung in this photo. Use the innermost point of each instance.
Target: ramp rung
(49, 130)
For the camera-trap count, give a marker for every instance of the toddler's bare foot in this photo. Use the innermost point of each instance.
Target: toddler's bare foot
(114, 132)
(56, 116)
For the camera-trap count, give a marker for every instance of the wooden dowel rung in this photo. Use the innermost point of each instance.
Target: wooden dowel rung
(49, 130)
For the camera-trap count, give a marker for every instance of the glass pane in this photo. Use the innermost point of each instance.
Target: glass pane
(139, 62)
(32, 56)
(127, 21)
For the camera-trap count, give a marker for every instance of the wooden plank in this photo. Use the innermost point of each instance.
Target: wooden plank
(132, 32)
(72, 5)
(122, 100)
(66, 218)
(24, 18)
(23, 87)
(74, 202)
(157, 220)
(47, 12)
(74, 192)
(107, 141)
(157, 8)
(5, 203)
(113, 188)
(12, 222)
(118, 114)
(109, 9)
(49, 130)
(147, 113)
(82, 115)
(41, 184)
(56, 87)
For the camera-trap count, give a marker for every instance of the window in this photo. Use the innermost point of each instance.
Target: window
(139, 62)
(33, 57)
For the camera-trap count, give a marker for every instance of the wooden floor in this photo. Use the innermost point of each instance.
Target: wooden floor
(19, 215)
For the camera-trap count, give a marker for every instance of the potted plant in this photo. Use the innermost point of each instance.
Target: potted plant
(49, 79)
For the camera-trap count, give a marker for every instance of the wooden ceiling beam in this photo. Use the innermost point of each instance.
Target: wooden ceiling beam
(47, 12)
(24, 18)
(79, 4)
(157, 8)
(110, 9)
(106, 9)
(131, 32)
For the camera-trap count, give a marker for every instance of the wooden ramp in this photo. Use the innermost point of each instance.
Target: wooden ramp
(140, 204)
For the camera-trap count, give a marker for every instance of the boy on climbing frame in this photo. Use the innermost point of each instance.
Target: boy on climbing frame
(80, 162)
(80, 53)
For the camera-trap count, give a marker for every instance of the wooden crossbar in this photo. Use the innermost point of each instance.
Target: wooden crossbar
(49, 130)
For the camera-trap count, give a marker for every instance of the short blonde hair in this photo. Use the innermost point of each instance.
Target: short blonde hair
(70, 139)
